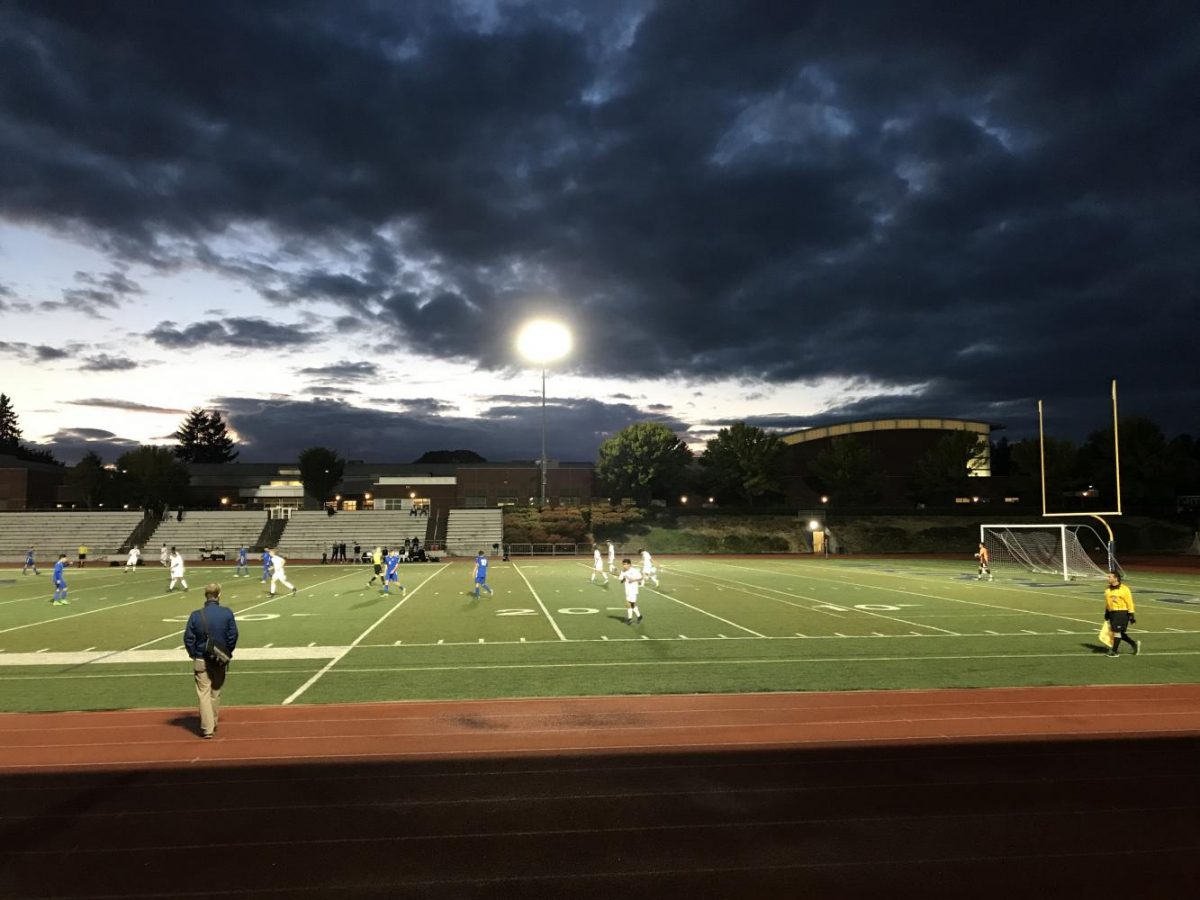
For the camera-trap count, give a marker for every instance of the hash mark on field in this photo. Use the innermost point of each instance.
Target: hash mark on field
(86, 649)
(644, 638)
(878, 634)
(1176, 630)
(43, 650)
(603, 637)
(314, 643)
(798, 634)
(481, 640)
(523, 640)
(992, 632)
(1063, 631)
(267, 645)
(1027, 631)
(723, 636)
(441, 641)
(917, 633)
(683, 636)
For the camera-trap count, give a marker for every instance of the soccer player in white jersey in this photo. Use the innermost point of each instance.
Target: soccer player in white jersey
(598, 566)
(612, 558)
(164, 556)
(277, 573)
(131, 563)
(175, 560)
(632, 579)
(649, 573)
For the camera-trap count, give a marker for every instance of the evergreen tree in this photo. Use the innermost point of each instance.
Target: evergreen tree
(153, 478)
(90, 479)
(321, 470)
(10, 430)
(204, 438)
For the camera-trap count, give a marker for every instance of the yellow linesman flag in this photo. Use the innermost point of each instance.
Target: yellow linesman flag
(1106, 635)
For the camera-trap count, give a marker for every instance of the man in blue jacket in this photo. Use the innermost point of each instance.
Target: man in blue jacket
(209, 672)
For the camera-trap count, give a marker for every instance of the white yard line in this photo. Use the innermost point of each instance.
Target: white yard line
(925, 594)
(706, 613)
(358, 640)
(549, 618)
(815, 600)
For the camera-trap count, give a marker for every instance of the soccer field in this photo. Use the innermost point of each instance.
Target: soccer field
(715, 625)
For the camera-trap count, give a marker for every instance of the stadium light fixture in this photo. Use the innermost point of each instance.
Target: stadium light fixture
(824, 499)
(814, 525)
(683, 499)
(542, 342)
(224, 501)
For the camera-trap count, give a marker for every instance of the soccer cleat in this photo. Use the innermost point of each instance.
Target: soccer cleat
(1137, 647)
(639, 618)
(1112, 654)
(293, 592)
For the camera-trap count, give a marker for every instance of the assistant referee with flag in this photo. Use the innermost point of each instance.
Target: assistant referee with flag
(1119, 611)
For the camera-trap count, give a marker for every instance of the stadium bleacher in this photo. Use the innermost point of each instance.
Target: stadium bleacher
(310, 533)
(470, 530)
(52, 533)
(199, 531)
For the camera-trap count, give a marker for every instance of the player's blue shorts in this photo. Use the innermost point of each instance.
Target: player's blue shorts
(393, 576)
(481, 579)
(60, 585)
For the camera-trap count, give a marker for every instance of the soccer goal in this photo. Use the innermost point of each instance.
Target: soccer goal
(1048, 549)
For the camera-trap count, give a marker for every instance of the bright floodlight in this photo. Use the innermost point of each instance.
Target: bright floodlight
(542, 341)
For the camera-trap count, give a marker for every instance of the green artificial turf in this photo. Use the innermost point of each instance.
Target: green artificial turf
(715, 625)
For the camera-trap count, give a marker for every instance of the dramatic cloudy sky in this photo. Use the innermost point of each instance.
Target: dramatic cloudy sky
(328, 219)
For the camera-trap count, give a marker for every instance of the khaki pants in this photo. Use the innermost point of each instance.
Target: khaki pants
(210, 678)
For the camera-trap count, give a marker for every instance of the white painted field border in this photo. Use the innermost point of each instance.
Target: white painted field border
(358, 640)
(925, 594)
(177, 633)
(549, 618)
(815, 600)
(789, 660)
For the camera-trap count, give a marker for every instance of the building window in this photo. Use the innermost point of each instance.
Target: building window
(475, 501)
(506, 501)
(568, 501)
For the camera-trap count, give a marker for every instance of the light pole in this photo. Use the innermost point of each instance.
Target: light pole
(542, 342)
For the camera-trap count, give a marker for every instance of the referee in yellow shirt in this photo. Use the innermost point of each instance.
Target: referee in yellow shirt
(377, 562)
(1119, 611)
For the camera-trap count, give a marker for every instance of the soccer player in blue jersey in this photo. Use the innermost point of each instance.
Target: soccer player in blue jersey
(241, 568)
(60, 582)
(390, 564)
(29, 563)
(481, 569)
(266, 561)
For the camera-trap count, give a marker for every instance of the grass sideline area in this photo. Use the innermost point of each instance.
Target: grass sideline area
(715, 625)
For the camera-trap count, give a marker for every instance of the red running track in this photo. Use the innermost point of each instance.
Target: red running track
(1046, 791)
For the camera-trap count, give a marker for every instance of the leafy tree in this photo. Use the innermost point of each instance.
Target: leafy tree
(744, 461)
(153, 478)
(1062, 470)
(449, 456)
(942, 472)
(1150, 471)
(204, 438)
(847, 471)
(10, 430)
(321, 470)
(90, 480)
(642, 461)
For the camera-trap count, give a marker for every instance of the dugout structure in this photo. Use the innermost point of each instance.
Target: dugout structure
(1048, 549)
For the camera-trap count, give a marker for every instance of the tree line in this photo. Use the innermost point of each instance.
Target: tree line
(742, 465)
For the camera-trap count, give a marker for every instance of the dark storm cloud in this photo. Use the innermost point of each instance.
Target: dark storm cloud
(251, 333)
(69, 444)
(124, 405)
(102, 362)
(36, 352)
(345, 370)
(996, 205)
(277, 430)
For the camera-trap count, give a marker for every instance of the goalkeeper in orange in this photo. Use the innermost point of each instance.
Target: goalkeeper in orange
(984, 558)
(1119, 611)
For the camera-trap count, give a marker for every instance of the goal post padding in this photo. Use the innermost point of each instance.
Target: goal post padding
(1048, 549)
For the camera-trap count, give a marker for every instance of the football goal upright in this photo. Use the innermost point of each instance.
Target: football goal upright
(1111, 544)
(1048, 549)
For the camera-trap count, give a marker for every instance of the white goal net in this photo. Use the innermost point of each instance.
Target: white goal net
(1047, 549)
